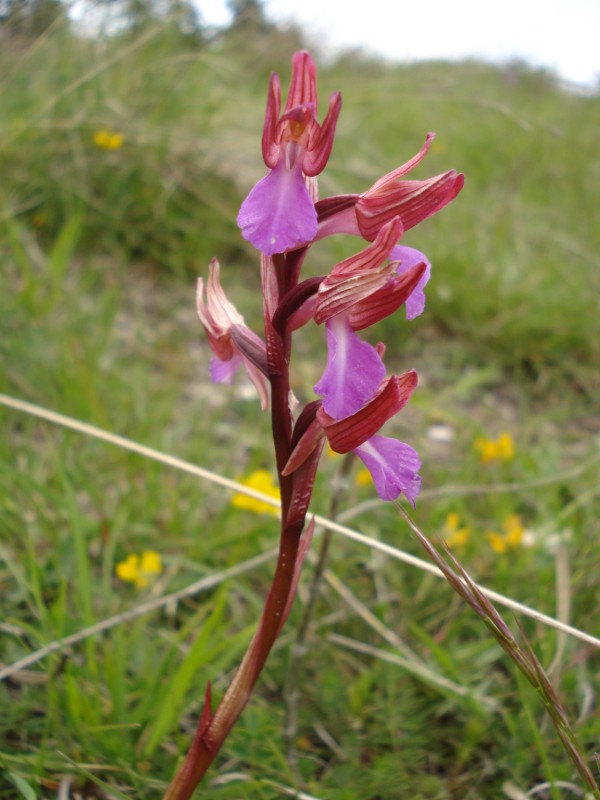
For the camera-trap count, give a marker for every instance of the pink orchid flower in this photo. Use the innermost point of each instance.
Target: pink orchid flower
(409, 200)
(230, 339)
(279, 213)
(357, 401)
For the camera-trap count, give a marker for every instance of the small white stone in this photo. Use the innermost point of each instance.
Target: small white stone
(440, 433)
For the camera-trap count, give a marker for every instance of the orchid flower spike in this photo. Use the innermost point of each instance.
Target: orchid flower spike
(279, 213)
(230, 339)
(282, 217)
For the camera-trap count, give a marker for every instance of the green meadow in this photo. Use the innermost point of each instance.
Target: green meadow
(123, 162)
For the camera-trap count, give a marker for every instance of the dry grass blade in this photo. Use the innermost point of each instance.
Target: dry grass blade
(415, 669)
(523, 656)
(409, 660)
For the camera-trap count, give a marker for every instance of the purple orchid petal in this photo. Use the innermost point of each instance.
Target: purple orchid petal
(223, 371)
(278, 214)
(394, 467)
(353, 373)
(409, 257)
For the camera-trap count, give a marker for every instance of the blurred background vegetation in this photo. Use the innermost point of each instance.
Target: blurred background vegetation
(124, 156)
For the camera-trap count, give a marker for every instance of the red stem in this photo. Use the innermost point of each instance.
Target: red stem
(210, 738)
(214, 729)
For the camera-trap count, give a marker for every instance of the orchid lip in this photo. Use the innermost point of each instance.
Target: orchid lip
(278, 214)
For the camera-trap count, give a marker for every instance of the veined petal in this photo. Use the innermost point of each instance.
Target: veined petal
(366, 259)
(321, 140)
(224, 312)
(394, 467)
(384, 302)
(359, 276)
(337, 215)
(278, 214)
(348, 433)
(410, 258)
(303, 84)
(412, 201)
(389, 197)
(270, 144)
(353, 373)
(217, 314)
(339, 295)
(250, 346)
(399, 172)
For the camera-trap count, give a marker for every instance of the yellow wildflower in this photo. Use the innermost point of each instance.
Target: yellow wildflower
(500, 449)
(108, 140)
(497, 542)
(511, 538)
(506, 447)
(151, 563)
(128, 570)
(514, 529)
(262, 481)
(138, 570)
(363, 477)
(454, 534)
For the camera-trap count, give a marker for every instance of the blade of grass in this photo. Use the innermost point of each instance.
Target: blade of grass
(61, 253)
(110, 790)
(137, 611)
(84, 576)
(168, 709)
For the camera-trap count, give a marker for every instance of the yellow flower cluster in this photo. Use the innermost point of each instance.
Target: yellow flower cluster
(108, 140)
(262, 481)
(455, 534)
(139, 570)
(500, 449)
(511, 538)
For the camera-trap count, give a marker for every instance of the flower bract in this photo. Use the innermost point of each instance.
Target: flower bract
(231, 341)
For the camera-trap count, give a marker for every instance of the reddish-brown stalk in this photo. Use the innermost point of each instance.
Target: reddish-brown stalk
(213, 729)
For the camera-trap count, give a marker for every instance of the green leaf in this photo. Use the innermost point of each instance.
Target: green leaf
(22, 785)
(62, 252)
